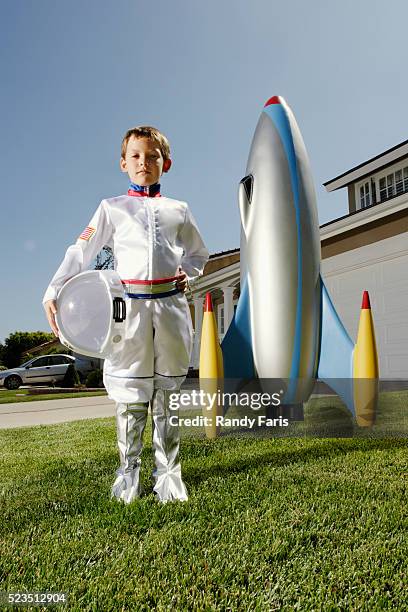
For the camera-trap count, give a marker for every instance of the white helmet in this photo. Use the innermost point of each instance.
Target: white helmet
(90, 313)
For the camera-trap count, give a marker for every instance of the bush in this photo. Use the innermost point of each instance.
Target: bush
(71, 378)
(94, 379)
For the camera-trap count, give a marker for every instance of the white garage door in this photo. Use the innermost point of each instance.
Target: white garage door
(382, 269)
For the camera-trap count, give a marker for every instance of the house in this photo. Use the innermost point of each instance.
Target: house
(365, 249)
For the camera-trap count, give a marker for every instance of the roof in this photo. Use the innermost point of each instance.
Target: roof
(223, 253)
(368, 167)
(41, 347)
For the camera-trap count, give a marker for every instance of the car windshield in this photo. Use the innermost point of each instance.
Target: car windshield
(26, 363)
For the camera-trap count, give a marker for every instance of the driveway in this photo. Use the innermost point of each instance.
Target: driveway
(46, 412)
(26, 414)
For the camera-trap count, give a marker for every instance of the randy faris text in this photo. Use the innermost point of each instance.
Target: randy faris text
(221, 421)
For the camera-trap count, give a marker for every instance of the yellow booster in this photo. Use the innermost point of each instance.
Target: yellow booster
(211, 367)
(365, 367)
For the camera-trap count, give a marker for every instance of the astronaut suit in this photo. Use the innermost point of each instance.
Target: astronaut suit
(151, 237)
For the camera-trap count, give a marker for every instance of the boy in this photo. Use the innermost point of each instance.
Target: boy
(157, 246)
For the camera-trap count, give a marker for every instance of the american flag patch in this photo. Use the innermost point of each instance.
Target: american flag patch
(87, 233)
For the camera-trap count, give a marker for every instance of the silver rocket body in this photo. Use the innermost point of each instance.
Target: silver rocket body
(280, 248)
(285, 326)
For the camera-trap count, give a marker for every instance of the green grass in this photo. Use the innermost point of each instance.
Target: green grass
(271, 524)
(21, 395)
(327, 417)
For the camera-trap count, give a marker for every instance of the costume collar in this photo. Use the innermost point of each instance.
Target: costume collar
(151, 191)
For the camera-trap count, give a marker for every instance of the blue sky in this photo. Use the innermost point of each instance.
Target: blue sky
(75, 75)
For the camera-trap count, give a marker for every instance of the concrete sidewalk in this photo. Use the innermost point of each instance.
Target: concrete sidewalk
(46, 412)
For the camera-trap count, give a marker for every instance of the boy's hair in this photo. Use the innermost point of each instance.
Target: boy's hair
(146, 131)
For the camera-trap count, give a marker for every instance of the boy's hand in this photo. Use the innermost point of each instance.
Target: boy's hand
(50, 310)
(182, 282)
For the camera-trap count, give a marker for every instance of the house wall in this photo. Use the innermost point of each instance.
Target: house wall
(380, 267)
(351, 198)
(379, 229)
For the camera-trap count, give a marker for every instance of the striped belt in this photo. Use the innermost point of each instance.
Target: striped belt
(150, 289)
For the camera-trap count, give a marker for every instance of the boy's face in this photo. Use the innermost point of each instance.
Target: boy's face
(144, 161)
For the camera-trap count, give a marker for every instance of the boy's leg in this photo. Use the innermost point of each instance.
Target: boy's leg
(168, 484)
(128, 378)
(172, 350)
(130, 425)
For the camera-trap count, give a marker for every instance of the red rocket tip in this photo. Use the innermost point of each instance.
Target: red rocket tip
(366, 301)
(208, 307)
(273, 100)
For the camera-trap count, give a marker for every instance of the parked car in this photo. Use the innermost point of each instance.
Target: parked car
(44, 369)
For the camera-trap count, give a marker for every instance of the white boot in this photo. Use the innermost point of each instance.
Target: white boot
(130, 425)
(168, 484)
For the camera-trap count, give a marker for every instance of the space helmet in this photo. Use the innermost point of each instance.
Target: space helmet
(90, 313)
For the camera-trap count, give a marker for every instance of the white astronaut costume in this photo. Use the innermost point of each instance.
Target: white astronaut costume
(151, 237)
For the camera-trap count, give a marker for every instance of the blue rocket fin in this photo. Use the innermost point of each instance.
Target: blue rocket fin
(237, 344)
(335, 365)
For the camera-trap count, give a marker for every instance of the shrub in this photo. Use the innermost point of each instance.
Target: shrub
(71, 378)
(94, 379)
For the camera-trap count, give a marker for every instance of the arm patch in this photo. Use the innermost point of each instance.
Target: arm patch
(87, 233)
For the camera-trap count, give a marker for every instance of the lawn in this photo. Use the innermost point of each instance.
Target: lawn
(271, 524)
(21, 395)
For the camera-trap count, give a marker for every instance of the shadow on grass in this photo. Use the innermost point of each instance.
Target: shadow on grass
(64, 491)
(278, 457)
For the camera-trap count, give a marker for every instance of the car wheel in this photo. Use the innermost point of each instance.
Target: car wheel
(12, 382)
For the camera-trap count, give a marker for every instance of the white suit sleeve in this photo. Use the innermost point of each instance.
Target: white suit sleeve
(195, 253)
(81, 254)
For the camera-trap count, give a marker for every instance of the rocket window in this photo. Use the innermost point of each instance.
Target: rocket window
(248, 183)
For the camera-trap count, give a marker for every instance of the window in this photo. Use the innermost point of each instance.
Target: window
(383, 190)
(399, 186)
(58, 360)
(393, 184)
(365, 195)
(390, 185)
(221, 319)
(39, 363)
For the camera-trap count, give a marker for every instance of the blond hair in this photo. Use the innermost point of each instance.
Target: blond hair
(146, 131)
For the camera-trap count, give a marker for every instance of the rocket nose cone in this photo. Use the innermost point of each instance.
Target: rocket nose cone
(366, 301)
(273, 100)
(208, 307)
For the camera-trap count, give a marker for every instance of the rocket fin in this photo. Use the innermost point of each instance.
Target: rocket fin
(237, 344)
(335, 365)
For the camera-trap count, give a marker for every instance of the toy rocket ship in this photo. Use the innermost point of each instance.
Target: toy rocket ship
(285, 325)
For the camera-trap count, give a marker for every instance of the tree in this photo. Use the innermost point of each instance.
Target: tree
(18, 342)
